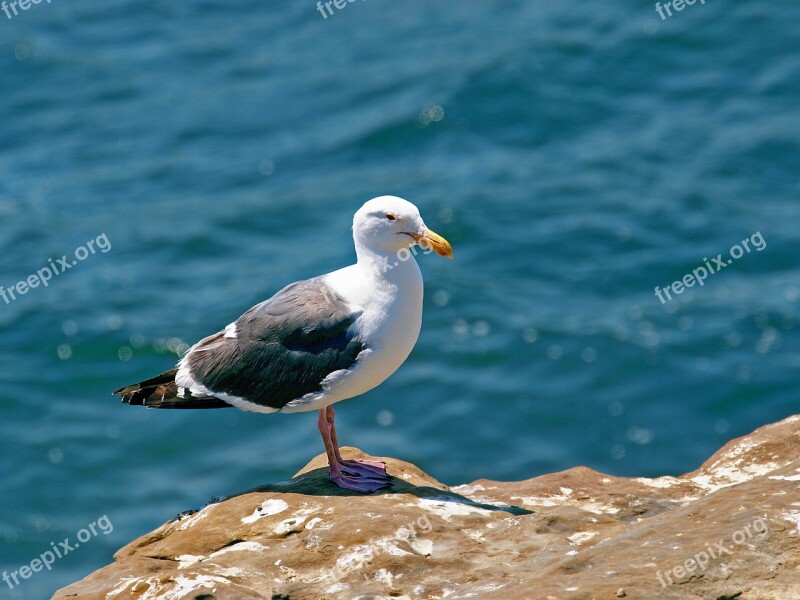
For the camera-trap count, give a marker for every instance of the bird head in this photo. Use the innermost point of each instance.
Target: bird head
(389, 224)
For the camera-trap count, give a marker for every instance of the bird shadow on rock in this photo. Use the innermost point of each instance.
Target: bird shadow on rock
(316, 482)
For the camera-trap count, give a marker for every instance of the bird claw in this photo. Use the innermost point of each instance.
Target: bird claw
(365, 485)
(364, 468)
(362, 476)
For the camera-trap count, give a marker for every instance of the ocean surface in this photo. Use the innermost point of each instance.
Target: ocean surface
(577, 155)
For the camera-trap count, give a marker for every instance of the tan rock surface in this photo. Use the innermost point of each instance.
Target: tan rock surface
(573, 535)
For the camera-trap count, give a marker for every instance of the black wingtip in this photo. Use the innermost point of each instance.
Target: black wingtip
(131, 399)
(128, 389)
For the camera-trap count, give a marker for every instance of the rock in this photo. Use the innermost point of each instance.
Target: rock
(731, 529)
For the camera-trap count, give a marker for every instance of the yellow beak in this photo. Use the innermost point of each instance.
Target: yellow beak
(431, 239)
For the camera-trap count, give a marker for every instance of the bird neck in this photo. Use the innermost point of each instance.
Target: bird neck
(392, 267)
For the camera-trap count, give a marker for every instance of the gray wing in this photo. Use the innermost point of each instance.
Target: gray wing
(283, 348)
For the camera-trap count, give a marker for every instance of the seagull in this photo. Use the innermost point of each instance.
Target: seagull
(318, 341)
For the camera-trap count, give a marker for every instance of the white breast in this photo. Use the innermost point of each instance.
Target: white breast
(390, 303)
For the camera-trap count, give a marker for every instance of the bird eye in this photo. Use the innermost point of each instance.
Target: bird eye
(391, 216)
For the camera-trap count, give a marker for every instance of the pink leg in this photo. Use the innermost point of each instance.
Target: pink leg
(372, 468)
(350, 475)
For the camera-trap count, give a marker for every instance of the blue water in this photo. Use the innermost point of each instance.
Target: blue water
(576, 155)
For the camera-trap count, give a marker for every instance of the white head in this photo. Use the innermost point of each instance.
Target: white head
(387, 224)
